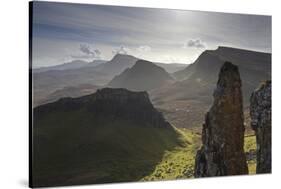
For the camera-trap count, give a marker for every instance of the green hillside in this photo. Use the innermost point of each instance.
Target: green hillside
(96, 153)
(113, 135)
(117, 152)
(178, 163)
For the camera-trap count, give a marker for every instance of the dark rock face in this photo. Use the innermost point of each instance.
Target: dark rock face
(110, 104)
(223, 131)
(260, 111)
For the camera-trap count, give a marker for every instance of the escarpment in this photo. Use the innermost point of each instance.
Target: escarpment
(110, 104)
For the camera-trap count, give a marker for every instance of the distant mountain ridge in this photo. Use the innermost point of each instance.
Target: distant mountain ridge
(120, 62)
(254, 67)
(62, 77)
(117, 64)
(191, 91)
(171, 67)
(195, 83)
(68, 91)
(74, 64)
(143, 76)
(213, 59)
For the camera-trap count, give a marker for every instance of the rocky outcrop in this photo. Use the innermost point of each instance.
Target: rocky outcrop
(260, 111)
(110, 104)
(223, 131)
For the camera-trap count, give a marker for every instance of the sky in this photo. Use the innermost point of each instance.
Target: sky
(63, 32)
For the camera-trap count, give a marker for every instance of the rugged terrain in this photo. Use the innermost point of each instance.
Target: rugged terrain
(194, 88)
(87, 133)
(113, 135)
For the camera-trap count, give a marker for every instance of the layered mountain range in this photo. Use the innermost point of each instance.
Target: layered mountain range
(47, 80)
(199, 78)
(68, 91)
(185, 101)
(70, 65)
(174, 94)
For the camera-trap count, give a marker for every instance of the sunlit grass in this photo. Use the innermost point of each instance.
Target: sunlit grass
(250, 148)
(178, 163)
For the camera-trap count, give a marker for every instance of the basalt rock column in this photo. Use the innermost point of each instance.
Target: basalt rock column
(222, 151)
(260, 111)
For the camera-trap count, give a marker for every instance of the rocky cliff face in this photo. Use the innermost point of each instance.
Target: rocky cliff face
(223, 131)
(108, 103)
(260, 111)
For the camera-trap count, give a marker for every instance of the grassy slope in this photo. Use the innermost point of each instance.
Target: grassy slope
(117, 152)
(250, 146)
(74, 150)
(179, 163)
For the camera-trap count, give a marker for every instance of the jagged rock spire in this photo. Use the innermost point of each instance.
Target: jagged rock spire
(260, 111)
(223, 131)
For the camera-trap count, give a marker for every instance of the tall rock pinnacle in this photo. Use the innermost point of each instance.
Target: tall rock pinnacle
(223, 131)
(260, 111)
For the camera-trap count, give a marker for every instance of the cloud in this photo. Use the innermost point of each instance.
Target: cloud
(194, 43)
(97, 52)
(144, 48)
(86, 49)
(121, 50)
(86, 52)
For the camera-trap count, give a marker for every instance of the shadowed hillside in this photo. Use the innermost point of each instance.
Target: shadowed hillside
(113, 135)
